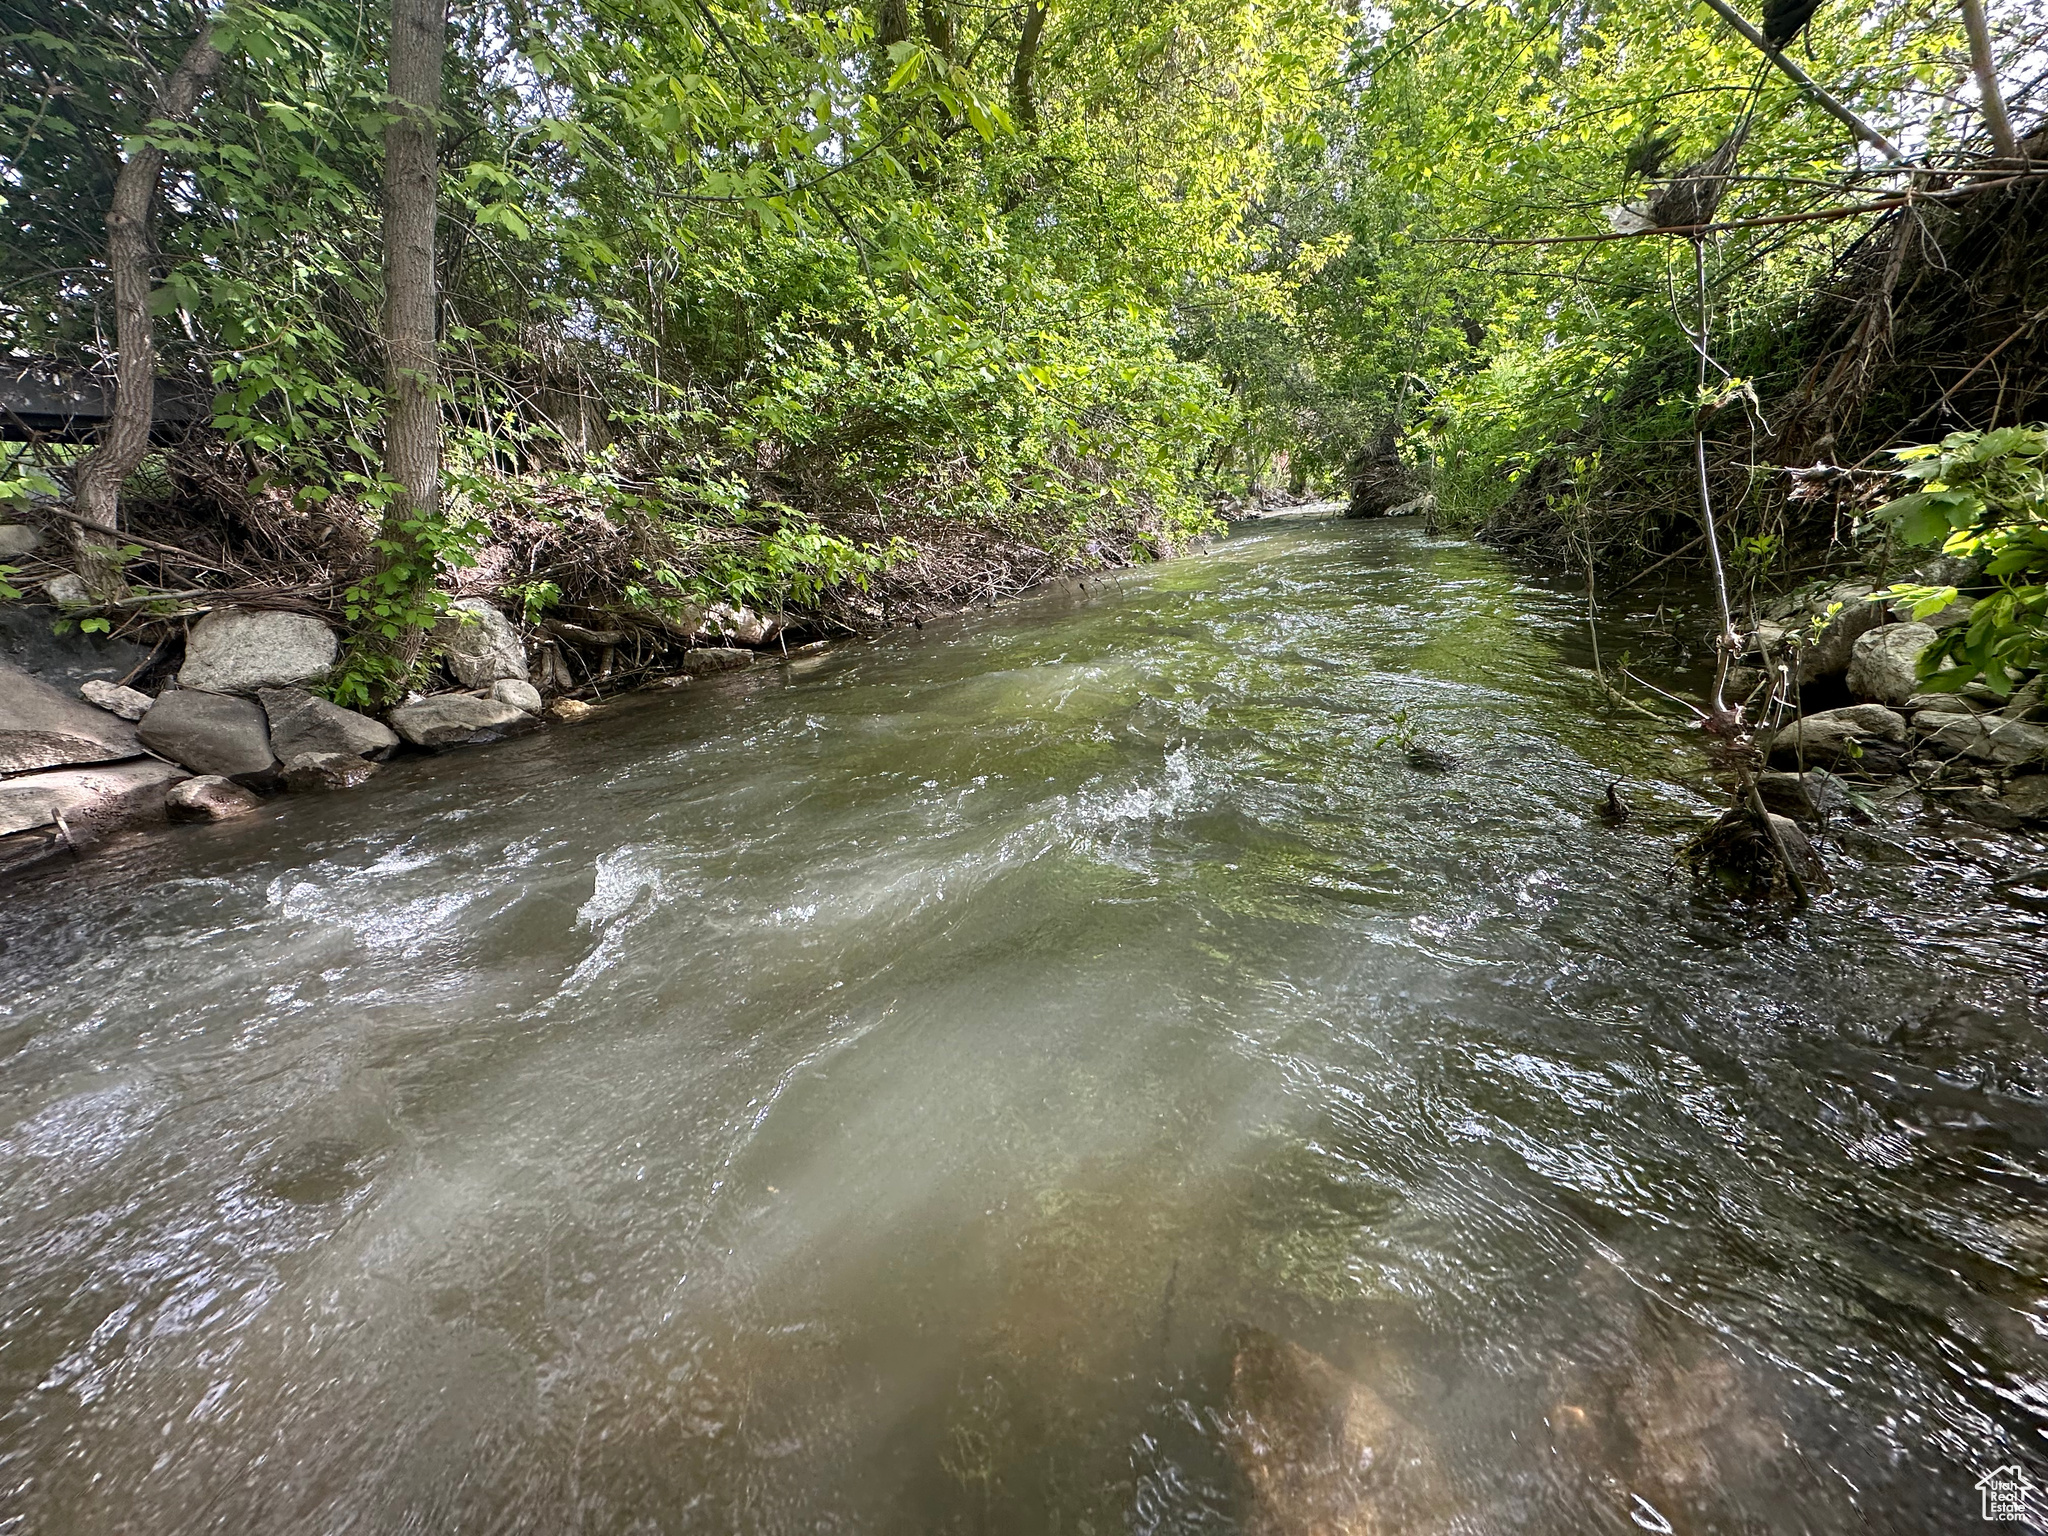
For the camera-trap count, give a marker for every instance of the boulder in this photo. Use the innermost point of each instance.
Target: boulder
(2027, 798)
(311, 772)
(519, 694)
(715, 658)
(479, 644)
(46, 813)
(450, 719)
(1986, 807)
(1828, 653)
(41, 728)
(211, 733)
(1883, 662)
(1957, 612)
(208, 797)
(1737, 854)
(1942, 704)
(742, 624)
(1802, 796)
(18, 539)
(68, 591)
(29, 640)
(1985, 739)
(1866, 735)
(242, 650)
(302, 722)
(128, 703)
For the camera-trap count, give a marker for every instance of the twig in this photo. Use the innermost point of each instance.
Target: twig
(135, 538)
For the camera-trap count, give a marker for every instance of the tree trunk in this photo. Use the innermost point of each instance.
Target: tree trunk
(412, 422)
(1023, 89)
(96, 485)
(412, 409)
(1985, 67)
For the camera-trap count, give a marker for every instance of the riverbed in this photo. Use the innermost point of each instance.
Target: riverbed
(882, 1092)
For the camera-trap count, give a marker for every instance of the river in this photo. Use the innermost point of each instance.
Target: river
(884, 1092)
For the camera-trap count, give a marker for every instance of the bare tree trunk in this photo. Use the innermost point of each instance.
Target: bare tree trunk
(1985, 68)
(412, 411)
(412, 424)
(96, 485)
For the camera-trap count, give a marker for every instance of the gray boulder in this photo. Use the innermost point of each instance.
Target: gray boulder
(208, 798)
(1943, 704)
(68, 591)
(1804, 797)
(46, 813)
(1957, 612)
(1828, 653)
(742, 624)
(310, 772)
(211, 733)
(128, 703)
(18, 539)
(1985, 739)
(479, 644)
(1857, 735)
(41, 728)
(302, 722)
(2028, 797)
(450, 719)
(520, 695)
(241, 650)
(1883, 661)
(708, 659)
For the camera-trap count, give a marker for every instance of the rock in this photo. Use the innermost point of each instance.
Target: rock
(211, 733)
(1985, 807)
(242, 650)
(479, 644)
(519, 694)
(128, 703)
(1985, 739)
(41, 728)
(1883, 662)
(2029, 701)
(1828, 653)
(68, 591)
(708, 659)
(1811, 796)
(741, 624)
(571, 709)
(66, 661)
(1323, 1453)
(208, 798)
(450, 719)
(1942, 704)
(1866, 735)
(308, 772)
(46, 813)
(302, 722)
(18, 539)
(2027, 798)
(1957, 612)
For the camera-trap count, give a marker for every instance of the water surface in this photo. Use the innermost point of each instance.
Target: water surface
(878, 1094)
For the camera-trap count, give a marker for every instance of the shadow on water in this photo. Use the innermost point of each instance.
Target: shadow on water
(1058, 1072)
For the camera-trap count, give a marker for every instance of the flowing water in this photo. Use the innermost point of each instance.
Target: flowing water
(892, 1091)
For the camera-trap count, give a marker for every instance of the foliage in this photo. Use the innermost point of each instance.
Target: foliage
(1982, 497)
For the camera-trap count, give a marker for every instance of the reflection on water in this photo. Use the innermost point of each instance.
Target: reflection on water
(1051, 1074)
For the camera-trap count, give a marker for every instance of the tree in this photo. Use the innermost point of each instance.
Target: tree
(412, 421)
(96, 486)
